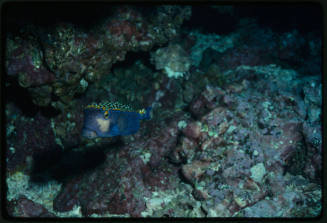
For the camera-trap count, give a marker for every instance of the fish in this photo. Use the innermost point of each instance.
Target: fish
(110, 119)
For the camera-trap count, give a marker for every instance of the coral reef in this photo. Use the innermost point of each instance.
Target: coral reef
(24, 207)
(66, 59)
(29, 136)
(173, 60)
(231, 155)
(235, 128)
(127, 176)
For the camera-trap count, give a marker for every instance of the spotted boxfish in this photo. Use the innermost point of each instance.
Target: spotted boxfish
(112, 119)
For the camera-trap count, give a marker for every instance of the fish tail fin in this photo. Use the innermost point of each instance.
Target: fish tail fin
(147, 114)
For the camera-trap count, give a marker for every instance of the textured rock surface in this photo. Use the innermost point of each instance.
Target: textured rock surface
(24, 207)
(238, 134)
(129, 174)
(173, 60)
(67, 58)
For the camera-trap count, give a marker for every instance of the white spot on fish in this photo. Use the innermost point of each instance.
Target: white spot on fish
(103, 124)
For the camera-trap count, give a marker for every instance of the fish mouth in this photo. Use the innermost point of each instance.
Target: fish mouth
(88, 133)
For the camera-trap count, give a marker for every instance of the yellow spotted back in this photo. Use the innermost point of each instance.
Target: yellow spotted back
(107, 106)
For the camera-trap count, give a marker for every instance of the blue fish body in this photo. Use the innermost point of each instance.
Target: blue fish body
(112, 119)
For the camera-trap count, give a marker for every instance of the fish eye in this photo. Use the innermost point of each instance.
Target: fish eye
(106, 115)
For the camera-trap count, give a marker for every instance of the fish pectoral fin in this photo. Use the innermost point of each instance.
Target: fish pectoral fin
(122, 123)
(114, 131)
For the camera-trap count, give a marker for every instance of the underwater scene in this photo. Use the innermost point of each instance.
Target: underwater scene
(190, 111)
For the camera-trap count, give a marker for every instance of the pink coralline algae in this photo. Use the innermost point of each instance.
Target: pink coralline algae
(221, 147)
(121, 183)
(70, 58)
(26, 62)
(24, 207)
(129, 25)
(193, 171)
(30, 137)
(192, 130)
(238, 134)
